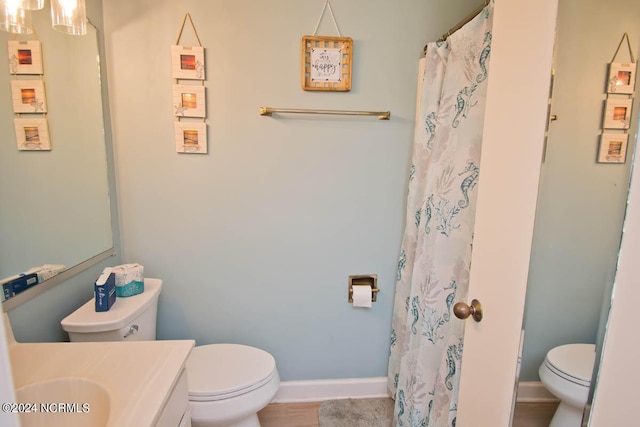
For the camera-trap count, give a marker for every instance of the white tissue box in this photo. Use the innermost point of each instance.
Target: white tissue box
(46, 271)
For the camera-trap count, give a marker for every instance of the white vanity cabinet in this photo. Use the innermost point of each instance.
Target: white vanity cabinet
(145, 381)
(176, 410)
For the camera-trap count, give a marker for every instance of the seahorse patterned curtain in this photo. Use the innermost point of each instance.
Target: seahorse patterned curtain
(434, 262)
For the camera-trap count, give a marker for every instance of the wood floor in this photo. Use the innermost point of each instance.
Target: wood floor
(306, 414)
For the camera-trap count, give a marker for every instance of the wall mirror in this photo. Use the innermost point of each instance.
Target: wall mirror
(55, 204)
(581, 203)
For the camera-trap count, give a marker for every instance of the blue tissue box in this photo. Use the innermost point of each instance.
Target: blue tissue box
(19, 284)
(7, 286)
(105, 290)
(129, 279)
(132, 288)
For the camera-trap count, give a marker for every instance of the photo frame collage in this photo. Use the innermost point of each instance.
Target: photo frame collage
(28, 95)
(618, 108)
(189, 96)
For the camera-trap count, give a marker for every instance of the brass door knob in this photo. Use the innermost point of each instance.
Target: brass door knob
(462, 310)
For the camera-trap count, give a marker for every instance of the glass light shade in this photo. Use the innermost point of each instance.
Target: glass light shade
(69, 16)
(32, 4)
(13, 18)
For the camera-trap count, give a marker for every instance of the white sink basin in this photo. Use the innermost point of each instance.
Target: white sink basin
(67, 402)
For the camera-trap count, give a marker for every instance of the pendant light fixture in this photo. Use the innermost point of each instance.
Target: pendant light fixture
(13, 18)
(69, 16)
(32, 4)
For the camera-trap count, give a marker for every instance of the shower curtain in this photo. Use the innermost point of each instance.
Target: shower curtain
(434, 262)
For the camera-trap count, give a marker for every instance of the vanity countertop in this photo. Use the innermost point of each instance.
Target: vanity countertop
(138, 375)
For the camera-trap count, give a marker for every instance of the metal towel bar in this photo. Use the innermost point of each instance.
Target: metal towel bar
(382, 115)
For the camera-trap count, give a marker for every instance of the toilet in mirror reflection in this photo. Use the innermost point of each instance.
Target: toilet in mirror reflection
(566, 373)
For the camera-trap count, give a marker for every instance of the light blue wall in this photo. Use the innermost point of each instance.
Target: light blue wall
(581, 203)
(256, 239)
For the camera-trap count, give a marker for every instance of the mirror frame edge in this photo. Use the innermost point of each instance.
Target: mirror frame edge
(49, 283)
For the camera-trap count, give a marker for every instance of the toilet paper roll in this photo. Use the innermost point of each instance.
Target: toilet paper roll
(362, 296)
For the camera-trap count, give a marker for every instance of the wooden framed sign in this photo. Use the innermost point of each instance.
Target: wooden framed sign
(326, 63)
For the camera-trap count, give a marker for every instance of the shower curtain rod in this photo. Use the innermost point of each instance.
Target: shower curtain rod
(461, 23)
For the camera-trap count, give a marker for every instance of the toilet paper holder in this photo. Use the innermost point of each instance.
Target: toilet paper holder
(364, 280)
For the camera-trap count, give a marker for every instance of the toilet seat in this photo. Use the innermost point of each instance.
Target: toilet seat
(572, 362)
(222, 371)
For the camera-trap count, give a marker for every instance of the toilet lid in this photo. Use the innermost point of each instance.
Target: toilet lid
(573, 362)
(221, 371)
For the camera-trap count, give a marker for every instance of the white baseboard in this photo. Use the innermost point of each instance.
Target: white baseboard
(320, 390)
(534, 392)
(368, 388)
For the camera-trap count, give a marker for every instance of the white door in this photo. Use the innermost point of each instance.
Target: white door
(616, 397)
(513, 136)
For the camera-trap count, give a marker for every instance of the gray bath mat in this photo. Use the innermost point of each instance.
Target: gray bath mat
(356, 413)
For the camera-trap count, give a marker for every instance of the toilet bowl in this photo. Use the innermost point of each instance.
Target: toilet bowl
(231, 391)
(228, 383)
(566, 373)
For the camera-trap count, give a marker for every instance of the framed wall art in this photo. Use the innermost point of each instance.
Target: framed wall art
(25, 57)
(28, 96)
(613, 147)
(191, 137)
(622, 78)
(617, 113)
(326, 63)
(187, 62)
(32, 134)
(189, 101)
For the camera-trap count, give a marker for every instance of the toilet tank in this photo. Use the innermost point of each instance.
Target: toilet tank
(129, 319)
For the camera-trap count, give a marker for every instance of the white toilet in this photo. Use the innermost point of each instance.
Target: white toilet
(566, 373)
(228, 383)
